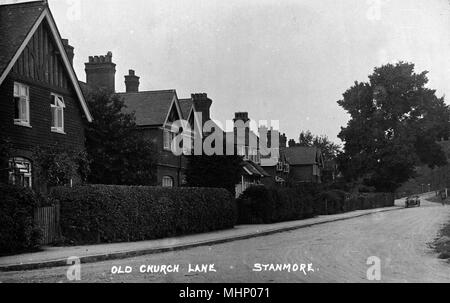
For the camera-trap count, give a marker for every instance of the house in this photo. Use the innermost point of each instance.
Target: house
(246, 144)
(156, 112)
(275, 163)
(306, 164)
(41, 100)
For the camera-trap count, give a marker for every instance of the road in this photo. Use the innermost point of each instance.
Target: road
(338, 252)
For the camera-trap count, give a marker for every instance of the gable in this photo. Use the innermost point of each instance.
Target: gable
(174, 113)
(18, 25)
(15, 24)
(41, 60)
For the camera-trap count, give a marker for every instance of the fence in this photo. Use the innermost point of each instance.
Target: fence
(47, 218)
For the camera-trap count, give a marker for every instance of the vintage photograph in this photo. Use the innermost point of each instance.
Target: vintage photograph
(212, 141)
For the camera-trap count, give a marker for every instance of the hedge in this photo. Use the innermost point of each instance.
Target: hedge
(17, 230)
(261, 205)
(335, 201)
(109, 214)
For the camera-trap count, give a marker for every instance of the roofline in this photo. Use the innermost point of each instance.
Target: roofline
(149, 91)
(54, 29)
(26, 3)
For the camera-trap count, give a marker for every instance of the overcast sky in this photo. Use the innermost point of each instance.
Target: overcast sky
(279, 60)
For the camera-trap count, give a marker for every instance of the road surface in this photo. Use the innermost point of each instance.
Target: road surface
(338, 252)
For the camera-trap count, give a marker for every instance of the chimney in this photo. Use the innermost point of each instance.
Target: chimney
(101, 72)
(241, 117)
(132, 82)
(69, 50)
(202, 105)
(283, 141)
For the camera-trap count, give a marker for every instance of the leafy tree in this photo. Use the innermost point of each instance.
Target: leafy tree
(395, 123)
(329, 149)
(58, 165)
(214, 171)
(120, 154)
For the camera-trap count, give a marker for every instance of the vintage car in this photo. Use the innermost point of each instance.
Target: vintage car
(412, 201)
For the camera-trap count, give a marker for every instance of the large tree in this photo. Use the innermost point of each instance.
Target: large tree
(120, 155)
(395, 124)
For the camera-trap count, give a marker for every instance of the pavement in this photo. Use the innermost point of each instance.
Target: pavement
(58, 256)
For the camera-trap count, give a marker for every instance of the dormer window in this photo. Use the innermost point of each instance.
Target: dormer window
(21, 104)
(57, 106)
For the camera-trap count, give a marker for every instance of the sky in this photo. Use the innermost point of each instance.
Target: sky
(289, 61)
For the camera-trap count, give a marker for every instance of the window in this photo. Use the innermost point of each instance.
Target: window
(20, 172)
(21, 104)
(167, 182)
(280, 167)
(287, 168)
(57, 110)
(168, 139)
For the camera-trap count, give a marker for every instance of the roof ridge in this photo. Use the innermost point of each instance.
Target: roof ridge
(29, 3)
(148, 92)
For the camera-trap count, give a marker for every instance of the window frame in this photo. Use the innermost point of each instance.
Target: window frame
(57, 107)
(17, 93)
(171, 181)
(15, 161)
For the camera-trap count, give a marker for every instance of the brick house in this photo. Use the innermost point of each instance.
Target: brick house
(306, 164)
(275, 164)
(42, 102)
(155, 113)
(246, 144)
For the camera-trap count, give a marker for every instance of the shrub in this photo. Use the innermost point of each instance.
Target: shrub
(107, 214)
(260, 205)
(17, 230)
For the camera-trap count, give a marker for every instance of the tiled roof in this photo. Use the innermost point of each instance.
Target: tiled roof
(16, 21)
(302, 155)
(186, 106)
(151, 108)
(254, 169)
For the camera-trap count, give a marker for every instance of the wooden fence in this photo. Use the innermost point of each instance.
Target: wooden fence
(47, 218)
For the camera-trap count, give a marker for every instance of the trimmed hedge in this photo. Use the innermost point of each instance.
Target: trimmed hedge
(17, 230)
(108, 214)
(335, 202)
(260, 205)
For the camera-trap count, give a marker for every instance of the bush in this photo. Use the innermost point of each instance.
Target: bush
(108, 214)
(17, 230)
(260, 205)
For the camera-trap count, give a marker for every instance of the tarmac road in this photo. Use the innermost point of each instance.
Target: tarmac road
(337, 252)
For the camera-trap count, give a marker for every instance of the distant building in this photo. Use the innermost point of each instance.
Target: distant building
(246, 144)
(155, 113)
(275, 163)
(306, 164)
(42, 102)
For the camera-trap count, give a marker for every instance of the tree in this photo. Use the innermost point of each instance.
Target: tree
(119, 153)
(59, 165)
(395, 123)
(214, 171)
(329, 149)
